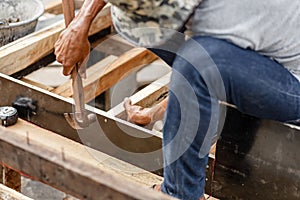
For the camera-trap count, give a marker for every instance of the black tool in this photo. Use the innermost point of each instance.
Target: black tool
(25, 106)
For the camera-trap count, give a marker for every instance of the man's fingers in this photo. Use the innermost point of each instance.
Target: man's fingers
(127, 104)
(136, 114)
(67, 71)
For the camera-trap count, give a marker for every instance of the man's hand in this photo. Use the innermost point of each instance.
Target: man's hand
(137, 114)
(72, 48)
(144, 116)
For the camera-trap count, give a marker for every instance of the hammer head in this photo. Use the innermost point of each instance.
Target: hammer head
(79, 120)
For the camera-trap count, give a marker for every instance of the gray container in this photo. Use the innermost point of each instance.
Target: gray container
(18, 18)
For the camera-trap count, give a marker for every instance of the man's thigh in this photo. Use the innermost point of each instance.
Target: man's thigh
(254, 83)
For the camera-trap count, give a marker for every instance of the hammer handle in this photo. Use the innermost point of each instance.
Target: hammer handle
(78, 91)
(69, 11)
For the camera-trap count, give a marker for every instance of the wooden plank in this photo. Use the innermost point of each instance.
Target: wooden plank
(55, 6)
(1, 174)
(21, 53)
(60, 108)
(12, 179)
(60, 161)
(40, 85)
(93, 74)
(91, 156)
(111, 74)
(257, 156)
(10, 194)
(51, 108)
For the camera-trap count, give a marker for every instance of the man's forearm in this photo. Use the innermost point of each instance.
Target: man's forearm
(72, 45)
(88, 12)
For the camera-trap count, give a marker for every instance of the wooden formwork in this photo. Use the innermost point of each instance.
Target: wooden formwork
(34, 149)
(44, 148)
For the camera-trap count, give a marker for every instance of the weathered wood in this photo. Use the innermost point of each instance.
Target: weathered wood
(58, 161)
(112, 138)
(10, 194)
(1, 173)
(257, 159)
(55, 6)
(12, 179)
(40, 85)
(93, 74)
(21, 53)
(103, 79)
(96, 158)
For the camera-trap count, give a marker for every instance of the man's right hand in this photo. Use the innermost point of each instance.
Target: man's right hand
(72, 48)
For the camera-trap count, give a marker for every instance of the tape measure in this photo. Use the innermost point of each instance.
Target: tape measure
(8, 116)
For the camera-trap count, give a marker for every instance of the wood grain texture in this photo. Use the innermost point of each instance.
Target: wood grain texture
(93, 74)
(72, 167)
(109, 75)
(10, 194)
(55, 6)
(40, 85)
(1, 174)
(25, 51)
(12, 179)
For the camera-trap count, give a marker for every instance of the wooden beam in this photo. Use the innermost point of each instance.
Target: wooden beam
(40, 85)
(25, 51)
(1, 174)
(113, 138)
(60, 161)
(93, 74)
(10, 194)
(54, 7)
(100, 81)
(12, 179)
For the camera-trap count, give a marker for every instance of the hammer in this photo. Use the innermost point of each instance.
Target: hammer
(79, 119)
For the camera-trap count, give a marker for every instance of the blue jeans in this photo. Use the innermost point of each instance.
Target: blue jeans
(254, 83)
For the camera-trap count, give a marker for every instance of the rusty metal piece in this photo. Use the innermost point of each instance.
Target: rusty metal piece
(12, 179)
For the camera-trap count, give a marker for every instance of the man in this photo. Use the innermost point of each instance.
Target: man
(244, 52)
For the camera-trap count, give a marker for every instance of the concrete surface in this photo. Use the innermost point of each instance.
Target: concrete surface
(39, 191)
